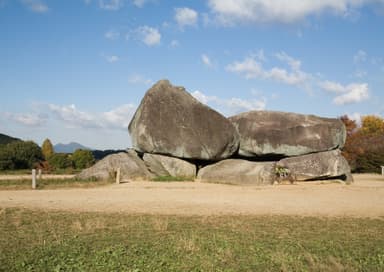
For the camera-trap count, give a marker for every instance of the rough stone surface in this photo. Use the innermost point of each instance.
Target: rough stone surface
(323, 165)
(170, 121)
(161, 165)
(241, 172)
(131, 168)
(264, 133)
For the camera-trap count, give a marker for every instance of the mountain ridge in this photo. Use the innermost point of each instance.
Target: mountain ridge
(69, 148)
(6, 139)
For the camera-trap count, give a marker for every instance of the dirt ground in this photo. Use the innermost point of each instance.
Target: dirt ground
(364, 198)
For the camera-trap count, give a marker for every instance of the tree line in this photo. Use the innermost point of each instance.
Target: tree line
(19, 154)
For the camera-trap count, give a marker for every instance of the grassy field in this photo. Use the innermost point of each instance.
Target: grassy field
(34, 240)
(25, 184)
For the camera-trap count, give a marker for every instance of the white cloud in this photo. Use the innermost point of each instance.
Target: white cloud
(186, 17)
(139, 3)
(333, 87)
(355, 93)
(74, 117)
(112, 58)
(346, 94)
(26, 119)
(251, 67)
(260, 55)
(112, 35)
(117, 118)
(111, 4)
(206, 60)
(148, 35)
(282, 75)
(87, 2)
(360, 57)
(36, 6)
(139, 79)
(70, 116)
(293, 63)
(231, 106)
(230, 12)
(175, 43)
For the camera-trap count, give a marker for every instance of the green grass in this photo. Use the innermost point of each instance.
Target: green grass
(171, 178)
(33, 240)
(24, 184)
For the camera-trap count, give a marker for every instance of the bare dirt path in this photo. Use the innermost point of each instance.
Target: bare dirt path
(364, 198)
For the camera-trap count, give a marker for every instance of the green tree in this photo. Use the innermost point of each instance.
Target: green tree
(20, 155)
(60, 161)
(6, 162)
(47, 149)
(82, 159)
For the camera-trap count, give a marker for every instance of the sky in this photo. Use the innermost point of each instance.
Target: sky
(76, 70)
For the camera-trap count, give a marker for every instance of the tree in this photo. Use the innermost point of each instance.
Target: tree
(82, 159)
(372, 125)
(350, 125)
(47, 149)
(6, 162)
(20, 155)
(364, 147)
(60, 161)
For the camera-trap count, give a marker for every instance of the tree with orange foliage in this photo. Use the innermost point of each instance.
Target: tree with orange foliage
(364, 147)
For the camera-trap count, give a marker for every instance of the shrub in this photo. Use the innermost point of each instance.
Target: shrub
(60, 161)
(82, 159)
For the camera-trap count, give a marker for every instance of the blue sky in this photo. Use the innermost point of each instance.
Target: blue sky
(76, 70)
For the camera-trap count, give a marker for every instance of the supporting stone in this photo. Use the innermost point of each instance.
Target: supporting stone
(33, 178)
(118, 171)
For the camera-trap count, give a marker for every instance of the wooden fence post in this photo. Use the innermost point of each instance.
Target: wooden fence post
(33, 178)
(39, 174)
(382, 170)
(118, 176)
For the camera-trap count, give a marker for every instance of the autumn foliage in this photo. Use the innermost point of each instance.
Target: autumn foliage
(364, 147)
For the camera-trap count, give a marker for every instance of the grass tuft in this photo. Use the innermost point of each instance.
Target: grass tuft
(171, 178)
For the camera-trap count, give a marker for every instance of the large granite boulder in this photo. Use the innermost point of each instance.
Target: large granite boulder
(240, 172)
(131, 168)
(323, 165)
(269, 133)
(172, 122)
(161, 165)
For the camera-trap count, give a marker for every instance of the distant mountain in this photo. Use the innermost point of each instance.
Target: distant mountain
(69, 148)
(5, 139)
